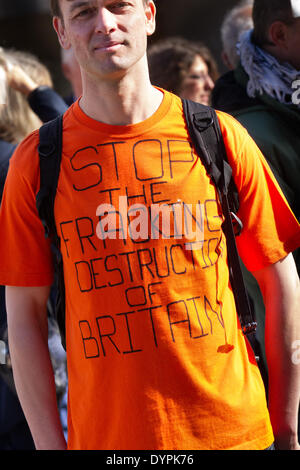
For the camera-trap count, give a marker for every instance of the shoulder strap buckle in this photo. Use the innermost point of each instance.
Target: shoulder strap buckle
(46, 150)
(203, 120)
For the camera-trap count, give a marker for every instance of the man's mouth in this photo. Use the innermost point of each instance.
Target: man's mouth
(109, 46)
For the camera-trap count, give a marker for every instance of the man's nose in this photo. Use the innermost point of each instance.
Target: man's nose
(105, 21)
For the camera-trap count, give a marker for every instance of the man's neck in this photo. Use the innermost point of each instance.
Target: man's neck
(277, 53)
(120, 102)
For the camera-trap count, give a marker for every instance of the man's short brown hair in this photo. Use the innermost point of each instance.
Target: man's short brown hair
(265, 13)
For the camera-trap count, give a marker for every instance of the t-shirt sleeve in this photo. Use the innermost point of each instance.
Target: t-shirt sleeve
(25, 253)
(271, 230)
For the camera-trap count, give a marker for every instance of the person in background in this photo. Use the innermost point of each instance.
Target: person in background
(184, 67)
(21, 74)
(236, 22)
(259, 93)
(23, 71)
(43, 99)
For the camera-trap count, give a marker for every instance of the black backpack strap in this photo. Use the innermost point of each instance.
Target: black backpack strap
(50, 151)
(50, 148)
(204, 129)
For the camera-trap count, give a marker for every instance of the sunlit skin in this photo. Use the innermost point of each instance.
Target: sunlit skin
(106, 35)
(198, 84)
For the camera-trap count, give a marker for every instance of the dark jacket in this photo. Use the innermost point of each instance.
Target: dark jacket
(276, 130)
(275, 127)
(14, 432)
(46, 103)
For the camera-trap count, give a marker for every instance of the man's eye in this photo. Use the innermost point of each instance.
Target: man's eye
(84, 13)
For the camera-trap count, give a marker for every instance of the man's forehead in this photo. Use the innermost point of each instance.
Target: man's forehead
(74, 4)
(77, 3)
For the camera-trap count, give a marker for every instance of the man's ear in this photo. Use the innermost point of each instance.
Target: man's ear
(59, 27)
(278, 34)
(150, 11)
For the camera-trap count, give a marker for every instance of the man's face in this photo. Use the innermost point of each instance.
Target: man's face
(293, 44)
(108, 36)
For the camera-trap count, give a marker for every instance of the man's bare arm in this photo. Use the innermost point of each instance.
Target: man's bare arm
(32, 368)
(280, 288)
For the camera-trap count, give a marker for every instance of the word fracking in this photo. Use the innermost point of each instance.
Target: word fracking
(139, 222)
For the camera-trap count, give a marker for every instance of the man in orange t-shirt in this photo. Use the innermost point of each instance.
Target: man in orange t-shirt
(156, 356)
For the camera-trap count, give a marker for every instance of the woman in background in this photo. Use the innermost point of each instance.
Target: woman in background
(27, 99)
(184, 67)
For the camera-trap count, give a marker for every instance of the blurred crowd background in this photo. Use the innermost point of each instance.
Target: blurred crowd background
(26, 25)
(38, 86)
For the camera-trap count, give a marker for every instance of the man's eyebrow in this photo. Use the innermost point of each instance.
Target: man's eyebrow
(78, 3)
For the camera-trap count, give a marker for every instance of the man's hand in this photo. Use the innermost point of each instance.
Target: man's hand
(280, 288)
(287, 443)
(19, 80)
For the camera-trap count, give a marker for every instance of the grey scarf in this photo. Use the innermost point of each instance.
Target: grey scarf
(266, 74)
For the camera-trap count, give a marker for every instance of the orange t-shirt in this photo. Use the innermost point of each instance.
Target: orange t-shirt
(156, 357)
